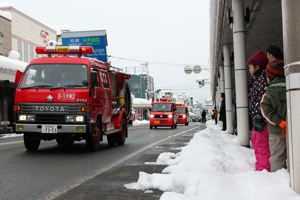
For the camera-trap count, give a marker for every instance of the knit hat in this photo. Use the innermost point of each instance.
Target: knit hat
(275, 69)
(258, 59)
(276, 51)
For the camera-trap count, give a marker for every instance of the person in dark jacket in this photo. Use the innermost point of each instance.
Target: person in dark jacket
(223, 112)
(260, 135)
(203, 115)
(274, 109)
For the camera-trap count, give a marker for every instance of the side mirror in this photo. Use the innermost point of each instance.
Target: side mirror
(18, 77)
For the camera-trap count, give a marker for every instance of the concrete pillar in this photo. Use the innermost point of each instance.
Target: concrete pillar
(228, 88)
(222, 82)
(291, 46)
(240, 61)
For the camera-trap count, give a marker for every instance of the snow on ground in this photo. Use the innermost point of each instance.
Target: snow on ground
(137, 122)
(214, 166)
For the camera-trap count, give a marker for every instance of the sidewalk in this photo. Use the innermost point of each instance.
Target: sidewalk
(214, 166)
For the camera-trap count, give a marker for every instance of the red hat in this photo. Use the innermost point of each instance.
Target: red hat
(275, 69)
(258, 59)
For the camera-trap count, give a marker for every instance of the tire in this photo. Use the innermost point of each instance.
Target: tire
(155, 127)
(111, 139)
(172, 127)
(93, 140)
(151, 127)
(121, 136)
(31, 144)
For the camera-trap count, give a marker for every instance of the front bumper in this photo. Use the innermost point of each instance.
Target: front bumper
(181, 120)
(161, 122)
(61, 128)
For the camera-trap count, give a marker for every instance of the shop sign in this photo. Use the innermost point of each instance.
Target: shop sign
(44, 35)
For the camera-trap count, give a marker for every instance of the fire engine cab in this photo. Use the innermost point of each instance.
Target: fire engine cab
(163, 113)
(182, 114)
(69, 99)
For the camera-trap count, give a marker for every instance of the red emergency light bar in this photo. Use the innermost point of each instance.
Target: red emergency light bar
(64, 50)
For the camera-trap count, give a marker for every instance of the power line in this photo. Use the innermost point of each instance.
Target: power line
(155, 62)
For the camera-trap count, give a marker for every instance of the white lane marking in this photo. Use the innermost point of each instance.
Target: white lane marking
(57, 193)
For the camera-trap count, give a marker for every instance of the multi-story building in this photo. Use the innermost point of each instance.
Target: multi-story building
(26, 34)
(5, 33)
(142, 86)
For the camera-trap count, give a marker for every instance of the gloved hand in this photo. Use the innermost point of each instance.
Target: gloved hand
(283, 126)
(258, 123)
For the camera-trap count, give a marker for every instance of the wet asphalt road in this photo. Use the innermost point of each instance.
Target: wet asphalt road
(71, 172)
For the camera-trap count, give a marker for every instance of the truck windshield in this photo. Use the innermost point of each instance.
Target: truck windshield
(180, 110)
(162, 107)
(55, 76)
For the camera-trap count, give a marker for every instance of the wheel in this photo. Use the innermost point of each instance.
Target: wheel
(151, 127)
(31, 144)
(93, 140)
(172, 127)
(155, 127)
(111, 139)
(60, 141)
(121, 136)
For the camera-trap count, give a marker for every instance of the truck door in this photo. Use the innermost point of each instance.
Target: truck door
(96, 92)
(107, 98)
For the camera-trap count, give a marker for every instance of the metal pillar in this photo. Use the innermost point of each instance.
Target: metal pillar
(228, 89)
(291, 42)
(242, 108)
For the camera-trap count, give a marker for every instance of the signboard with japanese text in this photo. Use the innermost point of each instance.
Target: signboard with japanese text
(96, 39)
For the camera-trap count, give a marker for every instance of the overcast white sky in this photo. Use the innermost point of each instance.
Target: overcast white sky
(163, 31)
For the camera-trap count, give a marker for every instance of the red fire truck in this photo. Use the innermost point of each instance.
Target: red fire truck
(71, 99)
(163, 113)
(182, 114)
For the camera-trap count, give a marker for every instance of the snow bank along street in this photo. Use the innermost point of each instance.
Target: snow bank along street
(214, 166)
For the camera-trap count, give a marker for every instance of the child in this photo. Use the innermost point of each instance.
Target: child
(273, 106)
(260, 135)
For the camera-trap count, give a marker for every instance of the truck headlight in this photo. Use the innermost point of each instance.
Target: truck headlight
(74, 118)
(170, 116)
(151, 116)
(184, 116)
(27, 117)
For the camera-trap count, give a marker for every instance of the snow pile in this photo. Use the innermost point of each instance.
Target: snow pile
(11, 65)
(5, 14)
(214, 166)
(139, 101)
(136, 122)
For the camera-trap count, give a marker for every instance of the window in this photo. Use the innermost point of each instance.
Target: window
(25, 52)
(31, 53)
(104, 81)
(20, 49)
(136, 85)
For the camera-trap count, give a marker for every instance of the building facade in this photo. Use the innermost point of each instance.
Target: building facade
(5, 33)
(142, 86)
(27, 33)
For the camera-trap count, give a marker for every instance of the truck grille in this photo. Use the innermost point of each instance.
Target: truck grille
(40, 118)
(160, 116)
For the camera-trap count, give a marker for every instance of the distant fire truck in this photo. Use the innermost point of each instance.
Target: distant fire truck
(182, 114)
(71, 99)
(163, 113)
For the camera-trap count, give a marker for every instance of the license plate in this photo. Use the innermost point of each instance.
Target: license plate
(49, 129)
(156, 122)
